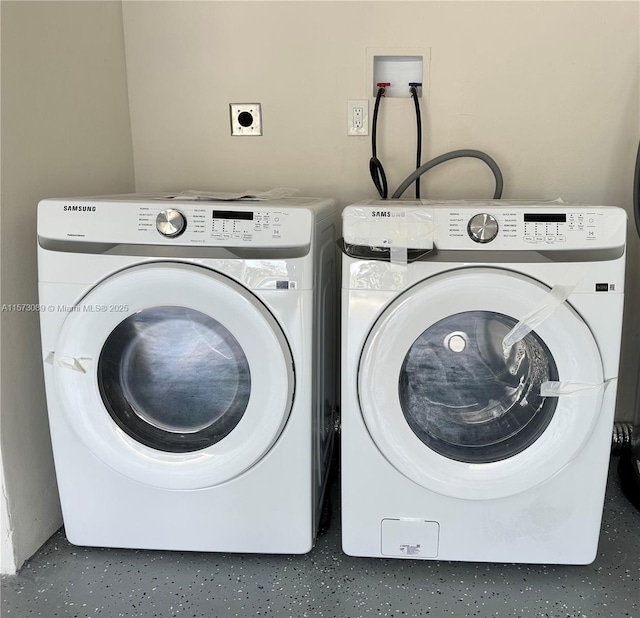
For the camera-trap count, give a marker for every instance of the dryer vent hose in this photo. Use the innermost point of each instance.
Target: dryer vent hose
(622, 438)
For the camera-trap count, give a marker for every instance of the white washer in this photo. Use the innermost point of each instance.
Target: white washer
(454, 316)
(190, 401)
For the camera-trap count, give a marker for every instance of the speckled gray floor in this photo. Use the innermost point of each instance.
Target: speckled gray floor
(66, 581)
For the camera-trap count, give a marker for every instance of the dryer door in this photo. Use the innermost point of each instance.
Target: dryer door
(456, 412)
(174, 375)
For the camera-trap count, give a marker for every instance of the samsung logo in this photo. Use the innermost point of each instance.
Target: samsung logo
(79, 208)
(387, 214)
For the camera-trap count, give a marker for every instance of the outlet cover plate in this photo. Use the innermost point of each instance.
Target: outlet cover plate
(246, 118)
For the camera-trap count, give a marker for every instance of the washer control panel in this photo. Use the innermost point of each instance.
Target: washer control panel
(556, 227)
(489, 225)
(529, 228)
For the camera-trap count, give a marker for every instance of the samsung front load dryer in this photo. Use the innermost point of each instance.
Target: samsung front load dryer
(189, 402)
(480, 355)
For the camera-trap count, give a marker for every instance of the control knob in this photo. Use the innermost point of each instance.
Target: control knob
(171, 223)
(482, 228)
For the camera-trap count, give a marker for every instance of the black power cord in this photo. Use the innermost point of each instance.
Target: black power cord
(413, 90)
(375, 167)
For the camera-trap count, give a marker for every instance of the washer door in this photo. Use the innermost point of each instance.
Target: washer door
(174, 375)
(457, 414)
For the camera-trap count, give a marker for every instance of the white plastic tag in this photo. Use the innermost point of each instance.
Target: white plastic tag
(557, 295)
(68, 362)
(573, 389)
(398, 255)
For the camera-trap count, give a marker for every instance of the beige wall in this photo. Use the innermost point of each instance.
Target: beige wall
(65, 131)
(549, 89)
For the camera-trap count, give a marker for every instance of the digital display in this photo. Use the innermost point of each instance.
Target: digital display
(232, 214)
(545, 218)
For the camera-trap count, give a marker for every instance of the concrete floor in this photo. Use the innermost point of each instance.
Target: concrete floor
(66, 581)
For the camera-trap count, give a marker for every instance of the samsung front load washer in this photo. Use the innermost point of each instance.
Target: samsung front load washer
(190, 404)
(480, 347)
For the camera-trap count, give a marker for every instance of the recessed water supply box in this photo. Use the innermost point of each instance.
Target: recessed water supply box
(399, 68)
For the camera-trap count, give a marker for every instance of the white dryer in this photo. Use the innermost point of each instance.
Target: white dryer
(189, 369)
(480, 346)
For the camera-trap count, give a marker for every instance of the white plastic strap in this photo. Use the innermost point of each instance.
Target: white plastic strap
(398, 255)
(573, 389)
(557, 295)
(68, 362)
(395, 226)
(398, 251)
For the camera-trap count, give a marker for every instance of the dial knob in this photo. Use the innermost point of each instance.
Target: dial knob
(171, 223)
(482, 228)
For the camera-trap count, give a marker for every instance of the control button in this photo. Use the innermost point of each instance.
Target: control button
(550, 238)
(539, 238)
(562, 238)
(528, 238)
(171, 223)
(236, 235)
(482, 228)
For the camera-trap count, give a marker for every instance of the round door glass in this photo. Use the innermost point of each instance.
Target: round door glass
(467, 398)
(174, 379)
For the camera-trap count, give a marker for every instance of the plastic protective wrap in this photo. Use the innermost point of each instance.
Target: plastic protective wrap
(556, 297)
(573, 389)
(221, 196)
(174, 378)
(463, 398)
(371, 275)
(68, 362)
(386, 232)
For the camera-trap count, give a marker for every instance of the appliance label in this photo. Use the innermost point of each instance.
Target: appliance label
(410, 550)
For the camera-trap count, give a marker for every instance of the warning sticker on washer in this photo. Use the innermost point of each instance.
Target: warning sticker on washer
(410, 550)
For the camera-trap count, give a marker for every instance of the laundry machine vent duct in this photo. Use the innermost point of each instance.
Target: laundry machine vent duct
(622, 438)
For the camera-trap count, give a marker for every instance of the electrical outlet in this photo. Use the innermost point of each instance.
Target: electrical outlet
(246, 118)
(358, 117)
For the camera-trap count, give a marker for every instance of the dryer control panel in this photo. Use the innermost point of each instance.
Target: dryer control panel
(278, 224)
